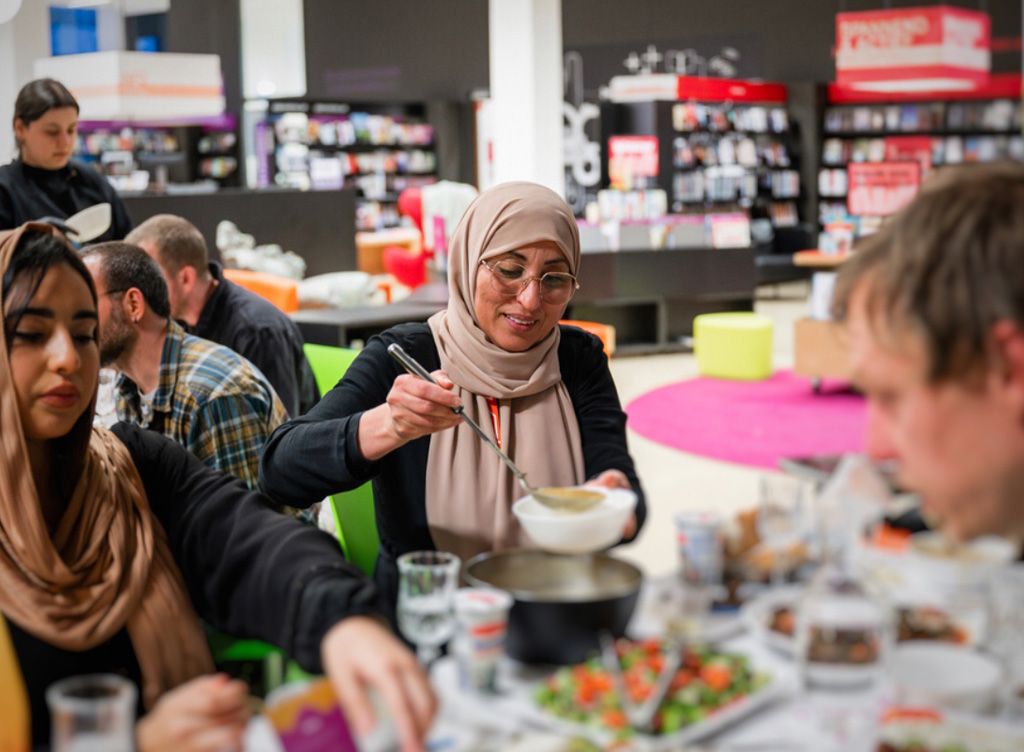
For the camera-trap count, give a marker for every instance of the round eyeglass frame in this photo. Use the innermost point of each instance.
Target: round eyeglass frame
(498, 287)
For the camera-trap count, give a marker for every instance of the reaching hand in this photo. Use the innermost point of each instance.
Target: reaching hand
(414, 408)
(360, 655)
(208, 714)
(616, 479)
(419, 408)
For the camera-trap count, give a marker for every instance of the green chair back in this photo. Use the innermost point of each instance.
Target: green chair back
(354, 517)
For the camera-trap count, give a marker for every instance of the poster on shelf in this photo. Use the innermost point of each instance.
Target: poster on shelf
(881, 188)
(910, 149)
(731, 230)
(630, 158)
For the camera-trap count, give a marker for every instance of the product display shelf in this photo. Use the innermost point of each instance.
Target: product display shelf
(715, 155)
(177, 152)
(377, 149)
(930, 129)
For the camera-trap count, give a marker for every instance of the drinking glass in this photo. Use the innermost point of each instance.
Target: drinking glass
(426, 600)
(92, 713)
(1006, 612)
(843, 639)
(780, 520)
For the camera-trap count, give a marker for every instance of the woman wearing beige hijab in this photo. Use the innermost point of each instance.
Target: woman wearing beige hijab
(112, 543)
(543, 391)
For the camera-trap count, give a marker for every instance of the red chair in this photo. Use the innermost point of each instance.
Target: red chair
(410, 269)
(410, 204)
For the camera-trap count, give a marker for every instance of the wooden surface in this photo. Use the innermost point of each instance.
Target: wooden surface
(370, 247)
(820, 350)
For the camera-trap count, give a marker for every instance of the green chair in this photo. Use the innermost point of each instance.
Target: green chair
(354, 517)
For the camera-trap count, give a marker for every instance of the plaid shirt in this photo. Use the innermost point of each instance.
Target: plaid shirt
(211, 400)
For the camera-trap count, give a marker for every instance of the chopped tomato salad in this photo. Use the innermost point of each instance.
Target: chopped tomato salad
(705, 682)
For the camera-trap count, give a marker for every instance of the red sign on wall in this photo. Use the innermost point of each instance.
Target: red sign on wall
(631, 157)
(877, 189)
(910, 149)
(936, 46)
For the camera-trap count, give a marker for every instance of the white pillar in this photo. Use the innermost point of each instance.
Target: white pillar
(23, 40)
(273, 48)
(526, 91)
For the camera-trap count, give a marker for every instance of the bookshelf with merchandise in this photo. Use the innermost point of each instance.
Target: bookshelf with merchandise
(139, 156)
(378, 149)
(728, 146)
(901, 139)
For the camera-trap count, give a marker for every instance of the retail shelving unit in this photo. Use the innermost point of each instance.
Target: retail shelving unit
(724, 145)
(171, 151)
(378, 149)
(929, 129)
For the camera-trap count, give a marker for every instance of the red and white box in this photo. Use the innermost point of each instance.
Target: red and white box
(927, 48)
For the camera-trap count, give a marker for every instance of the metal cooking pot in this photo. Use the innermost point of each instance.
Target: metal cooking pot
(561, 603)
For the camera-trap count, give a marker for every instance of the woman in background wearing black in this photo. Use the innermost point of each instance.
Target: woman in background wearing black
(43, 181)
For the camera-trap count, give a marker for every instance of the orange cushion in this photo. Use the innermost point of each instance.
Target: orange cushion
(604, 332)
(281, 291)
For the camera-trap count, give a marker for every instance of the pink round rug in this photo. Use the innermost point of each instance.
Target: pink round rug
(751, 422)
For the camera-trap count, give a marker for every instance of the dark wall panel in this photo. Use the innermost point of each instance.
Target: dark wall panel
(317, 225)
(213, 27)
(393, 50)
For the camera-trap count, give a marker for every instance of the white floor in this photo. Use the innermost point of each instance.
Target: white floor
(675, 480)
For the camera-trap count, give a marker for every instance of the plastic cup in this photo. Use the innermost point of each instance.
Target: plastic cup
(699, 542)
(482, 616)
(92, 713)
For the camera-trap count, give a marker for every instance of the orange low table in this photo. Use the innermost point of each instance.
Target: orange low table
(281, 291)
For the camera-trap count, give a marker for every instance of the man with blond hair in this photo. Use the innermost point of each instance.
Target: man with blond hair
(934, 310)
(214, 308)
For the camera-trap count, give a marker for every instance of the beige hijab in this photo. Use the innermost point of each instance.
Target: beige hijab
(108, 564)
(469, 490)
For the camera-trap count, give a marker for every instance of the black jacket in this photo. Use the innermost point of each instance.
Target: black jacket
(250, 572)
(260, 332)
(318, 454)
(31, 193)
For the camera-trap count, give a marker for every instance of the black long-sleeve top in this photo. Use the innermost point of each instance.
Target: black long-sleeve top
(258, 331)
(31, 193)
(250, 572)
(318, 454)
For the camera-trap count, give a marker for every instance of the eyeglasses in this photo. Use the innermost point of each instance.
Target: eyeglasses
(510, 279)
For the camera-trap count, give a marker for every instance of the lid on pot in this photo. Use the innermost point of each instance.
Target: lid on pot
(539, 576)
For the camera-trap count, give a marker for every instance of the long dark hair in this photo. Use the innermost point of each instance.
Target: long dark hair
(38, 97)
(36, 254)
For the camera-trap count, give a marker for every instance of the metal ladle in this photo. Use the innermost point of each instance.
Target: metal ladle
(562, 498)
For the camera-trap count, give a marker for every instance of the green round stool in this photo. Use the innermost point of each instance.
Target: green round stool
(733, 345)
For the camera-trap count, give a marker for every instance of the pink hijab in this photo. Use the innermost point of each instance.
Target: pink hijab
(469, 491)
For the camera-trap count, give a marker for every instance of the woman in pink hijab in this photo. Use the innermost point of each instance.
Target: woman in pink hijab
(543, 390)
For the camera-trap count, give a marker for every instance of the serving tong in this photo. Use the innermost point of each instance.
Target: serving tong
(641, 715)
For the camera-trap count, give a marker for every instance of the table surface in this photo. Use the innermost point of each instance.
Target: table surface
(794, 721)
(420, 304)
